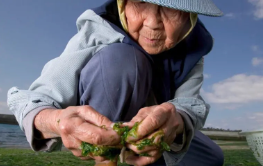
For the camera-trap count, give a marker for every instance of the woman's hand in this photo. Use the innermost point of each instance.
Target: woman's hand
(154, 119)
(77, 124)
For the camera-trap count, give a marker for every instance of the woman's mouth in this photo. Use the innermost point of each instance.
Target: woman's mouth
(151, 41)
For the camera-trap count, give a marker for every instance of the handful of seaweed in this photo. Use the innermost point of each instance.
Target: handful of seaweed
(112, 153)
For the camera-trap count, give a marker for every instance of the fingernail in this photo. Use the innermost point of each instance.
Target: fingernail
(112, 125)
(157, 139)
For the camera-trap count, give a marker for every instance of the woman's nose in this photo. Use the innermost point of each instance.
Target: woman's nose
(153, 18)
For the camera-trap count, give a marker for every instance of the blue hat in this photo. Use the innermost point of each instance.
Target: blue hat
(204, 7)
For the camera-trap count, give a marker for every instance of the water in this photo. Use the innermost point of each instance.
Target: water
(11, 136)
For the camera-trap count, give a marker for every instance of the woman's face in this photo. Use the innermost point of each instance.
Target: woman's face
(154, 27)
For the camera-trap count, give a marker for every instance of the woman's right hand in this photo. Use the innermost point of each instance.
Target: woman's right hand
(77, 124)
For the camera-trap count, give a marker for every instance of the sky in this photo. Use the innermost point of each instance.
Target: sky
(32, 32)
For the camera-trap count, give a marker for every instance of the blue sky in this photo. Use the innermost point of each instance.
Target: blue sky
(34, 31)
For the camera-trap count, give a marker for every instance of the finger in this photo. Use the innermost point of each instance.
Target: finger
(126, 154)
(93, 117)
(76, 150)
(150, 143)
(141, 160)
(151, 153)
(152, 122)
(95, 135)
(135, 149)
(154, 153)
(99, 158)
(78, 153)
(141, 115)
(85, 158)
(90, 156)
(170, 134)
(171, 128)
(70, 142)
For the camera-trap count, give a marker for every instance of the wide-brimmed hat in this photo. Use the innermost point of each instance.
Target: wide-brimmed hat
(204, 7)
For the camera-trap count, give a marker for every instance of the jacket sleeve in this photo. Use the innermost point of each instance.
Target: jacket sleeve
(57, 86)
(193, 109)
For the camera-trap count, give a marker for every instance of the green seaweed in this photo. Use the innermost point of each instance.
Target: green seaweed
(133, 131)
(111, 153)
(145, 154)
(108, 152)
(163, 146)
(122, 131)
(145, 142)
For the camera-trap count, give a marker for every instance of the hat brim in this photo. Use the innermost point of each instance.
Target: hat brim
(204, 7)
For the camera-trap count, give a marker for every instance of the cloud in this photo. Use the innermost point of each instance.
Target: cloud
(230, 15)
(4, 108)
(256, 49)
(207, 76)
(257, 61)
(236, 91)
(258, 12)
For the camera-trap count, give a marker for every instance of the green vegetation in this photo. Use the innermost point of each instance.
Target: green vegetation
(112, 153)
(150, 142)
(122, 131)
(133, 131)
(240, 158)
(145, 155)
(108, 152)
(125, 132)
(145, 142)
(24, 157)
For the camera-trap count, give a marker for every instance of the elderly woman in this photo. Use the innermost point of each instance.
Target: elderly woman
(133, 61)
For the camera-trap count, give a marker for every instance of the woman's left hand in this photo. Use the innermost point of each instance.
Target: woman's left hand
(153, 119)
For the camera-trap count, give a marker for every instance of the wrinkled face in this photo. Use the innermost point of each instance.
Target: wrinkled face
(154, 27)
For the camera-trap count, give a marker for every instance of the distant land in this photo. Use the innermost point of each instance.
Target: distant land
(219, 129)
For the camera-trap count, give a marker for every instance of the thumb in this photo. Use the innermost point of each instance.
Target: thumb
(141, 115)
(129, 124)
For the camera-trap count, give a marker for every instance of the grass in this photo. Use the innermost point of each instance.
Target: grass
(25, 157)
(240, 158)
(236, 143)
